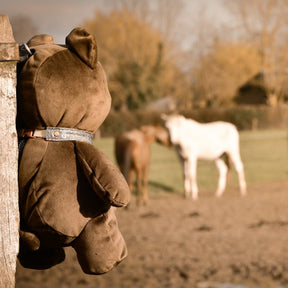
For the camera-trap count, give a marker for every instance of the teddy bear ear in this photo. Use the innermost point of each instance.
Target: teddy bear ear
(40, 39)
(84, 45)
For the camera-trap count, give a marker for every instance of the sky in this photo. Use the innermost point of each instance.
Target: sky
(59, 17)
(54, 17)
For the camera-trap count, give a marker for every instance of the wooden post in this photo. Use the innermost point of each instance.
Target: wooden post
(9, 211)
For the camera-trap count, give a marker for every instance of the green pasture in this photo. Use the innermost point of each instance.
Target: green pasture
(264, 154)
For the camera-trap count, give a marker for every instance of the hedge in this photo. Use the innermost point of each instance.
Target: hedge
(245, 118)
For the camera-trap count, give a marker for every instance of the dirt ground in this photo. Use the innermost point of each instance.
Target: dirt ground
(180, 243)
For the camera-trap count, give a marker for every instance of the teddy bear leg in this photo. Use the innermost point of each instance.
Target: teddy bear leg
(29, 240)
(41, 259)
(100, 246)
(32, 255)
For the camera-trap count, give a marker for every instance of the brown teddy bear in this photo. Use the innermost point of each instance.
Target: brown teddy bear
(67, 187)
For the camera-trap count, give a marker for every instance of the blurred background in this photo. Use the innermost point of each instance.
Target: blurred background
(209, 59)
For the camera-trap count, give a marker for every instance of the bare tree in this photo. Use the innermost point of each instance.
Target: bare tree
(220, 72)
(137, 58)
(264, 23)
(161, 13)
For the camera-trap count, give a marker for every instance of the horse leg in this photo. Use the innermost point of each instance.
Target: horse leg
(190, 181)
(223, 169)
(130, 182)
(139, 197)
(145, 186)
(236, 159)
(187, 184)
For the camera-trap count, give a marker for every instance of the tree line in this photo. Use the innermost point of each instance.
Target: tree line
(142, 48)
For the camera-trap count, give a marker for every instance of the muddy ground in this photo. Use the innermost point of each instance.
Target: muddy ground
(179, 243)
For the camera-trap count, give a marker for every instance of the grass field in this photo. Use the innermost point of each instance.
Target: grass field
(264, 154)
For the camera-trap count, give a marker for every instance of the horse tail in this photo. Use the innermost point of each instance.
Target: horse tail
(123, 149)
(127, 161)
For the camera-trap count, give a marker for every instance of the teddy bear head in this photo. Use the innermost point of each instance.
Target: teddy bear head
(63, 85)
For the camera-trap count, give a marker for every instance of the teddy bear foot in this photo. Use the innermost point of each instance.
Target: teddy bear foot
(100, 246)
(42, 258)
(29, 241)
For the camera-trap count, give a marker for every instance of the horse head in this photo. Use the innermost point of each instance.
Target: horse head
(156, 133)
(173, 124)
(162, 136)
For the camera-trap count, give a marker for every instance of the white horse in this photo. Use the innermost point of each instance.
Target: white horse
(210, 141)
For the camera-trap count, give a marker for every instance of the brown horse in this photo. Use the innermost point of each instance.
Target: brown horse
(133, 153)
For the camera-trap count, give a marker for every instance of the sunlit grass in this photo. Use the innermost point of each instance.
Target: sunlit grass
(264, 154)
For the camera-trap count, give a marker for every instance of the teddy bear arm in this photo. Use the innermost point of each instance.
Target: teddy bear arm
(103, 176)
